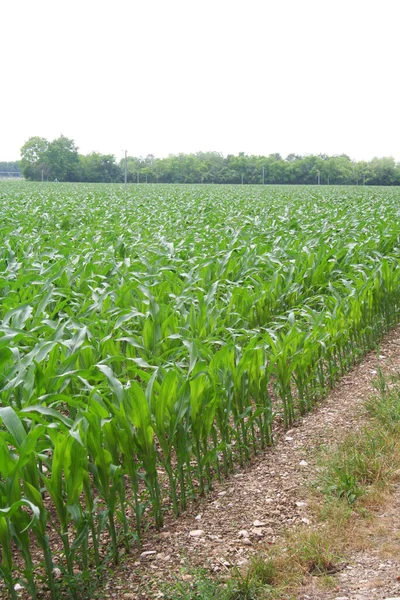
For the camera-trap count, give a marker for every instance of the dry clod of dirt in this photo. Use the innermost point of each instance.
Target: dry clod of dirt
(165, 535)
(196, 533)
(243, 533)
(258, 523)
(148, 554)
(257, 532)
(247, 542)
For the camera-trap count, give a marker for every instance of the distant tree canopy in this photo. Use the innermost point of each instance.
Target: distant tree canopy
(9, 169)
(60, 160)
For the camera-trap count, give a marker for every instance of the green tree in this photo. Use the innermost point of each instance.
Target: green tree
(133, 167)
(383, 171)
(239, 165)
(275, 169)
(33, 158)
(59, 159)
(63, 159)
(361, 172)
(55, 160)
(96, 167)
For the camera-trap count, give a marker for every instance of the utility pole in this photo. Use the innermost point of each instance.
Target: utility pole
(319, 177)
(126, 170)
(263, 177)
(42, 175)
(242, 178)
(138, 177)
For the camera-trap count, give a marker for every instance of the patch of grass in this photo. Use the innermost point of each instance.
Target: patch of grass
(245, 587)
(327, 582)
(337, 514)
(363, 460)
(263, 570)
(371, 458)
(315, 551)
(254, 584)
(385, 407)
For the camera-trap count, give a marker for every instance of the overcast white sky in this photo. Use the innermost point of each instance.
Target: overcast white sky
(169, 76)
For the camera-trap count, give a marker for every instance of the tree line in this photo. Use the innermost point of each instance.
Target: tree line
(9, 169)
(60, 160)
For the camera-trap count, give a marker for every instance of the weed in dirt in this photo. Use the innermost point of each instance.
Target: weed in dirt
(84, 586)
(254, 584)
(313, 552)
(369, 458)
(263, 570)
(385, 407)
(246, 587)
(200, 587)
(327, 582)
(337, 514)
(365, 459)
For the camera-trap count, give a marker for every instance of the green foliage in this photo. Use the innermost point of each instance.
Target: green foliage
(385, 407)
(148, 338)
(212, 167)
(255, 584)
(33, 158)
(45, 160)
(244, 587)
(361, 461)
(263, 570)
(200, 587)
(100, 168)
(59, 159)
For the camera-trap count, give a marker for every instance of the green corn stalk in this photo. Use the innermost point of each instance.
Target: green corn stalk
(138, 411)
(105, 473)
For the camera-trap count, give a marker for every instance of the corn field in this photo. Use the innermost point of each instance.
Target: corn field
(149, 339)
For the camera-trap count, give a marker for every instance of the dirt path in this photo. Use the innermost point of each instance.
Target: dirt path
(251, 510)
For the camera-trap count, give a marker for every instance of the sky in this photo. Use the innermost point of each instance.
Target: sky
(167, 76)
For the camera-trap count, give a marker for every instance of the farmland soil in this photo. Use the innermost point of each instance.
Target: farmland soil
(250, 511)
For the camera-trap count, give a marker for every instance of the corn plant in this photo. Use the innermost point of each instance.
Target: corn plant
(148, 340)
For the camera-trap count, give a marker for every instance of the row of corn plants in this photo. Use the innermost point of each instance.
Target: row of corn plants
(148, 340)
